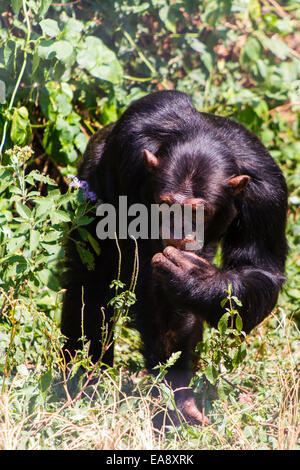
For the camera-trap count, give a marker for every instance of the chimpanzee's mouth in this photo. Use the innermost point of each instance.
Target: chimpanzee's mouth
(184, 244)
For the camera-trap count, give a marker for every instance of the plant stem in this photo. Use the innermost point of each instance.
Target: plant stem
(11, 342)
(140, 53)
(19, 77)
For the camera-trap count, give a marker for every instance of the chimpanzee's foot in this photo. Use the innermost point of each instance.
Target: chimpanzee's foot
(186, 411)
(191, 413)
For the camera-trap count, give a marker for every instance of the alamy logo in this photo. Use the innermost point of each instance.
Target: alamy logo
(176, 224)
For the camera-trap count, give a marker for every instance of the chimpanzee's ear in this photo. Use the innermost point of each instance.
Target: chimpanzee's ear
(151, 161)
(238, 183)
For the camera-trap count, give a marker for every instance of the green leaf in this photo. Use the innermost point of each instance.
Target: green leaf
(43, 208)
(279, 48)
(239, 355)
(59, 216)
(173, 358)
(94, 244)
(108, 112)
(222, 391)
(63, 50)
(294, 293)
(6, 178)
(45, 49)
(211, 374)
(99, 60)
(262, 68)
(45, 381)
(22, 370)
(35, 62)
(36, 176)
(207, 60)
(215, 10)
(238, 322)
(83, 220)
(223, 323)
(85, 255)
(8, 52)
(23, 210)
(73, 28)
(48, 279)
(52, 249)
(252, 48)
(254, 9)
(64, 105)
(197, 45)
(45, 4)
(237, 301)
(20, 130)
(168, 17)
(49, 27)
(20, 261)
(34, 240)
(81, 141)
(14, 244)
(16, 6)
(52, 236)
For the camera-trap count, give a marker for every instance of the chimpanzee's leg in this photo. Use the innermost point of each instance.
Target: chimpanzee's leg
(165, 331)
(85, 311)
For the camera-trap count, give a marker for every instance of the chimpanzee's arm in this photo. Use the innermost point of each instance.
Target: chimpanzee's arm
(198, 286)
(254, 252)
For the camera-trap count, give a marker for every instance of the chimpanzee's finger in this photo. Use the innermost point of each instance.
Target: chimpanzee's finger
(178, 257)
(162, 264)
(196, 259)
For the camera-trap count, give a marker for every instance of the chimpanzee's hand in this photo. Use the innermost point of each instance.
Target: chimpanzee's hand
(182, 273)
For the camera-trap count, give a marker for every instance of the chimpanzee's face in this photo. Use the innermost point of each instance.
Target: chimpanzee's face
(194, 182)
(180, 187)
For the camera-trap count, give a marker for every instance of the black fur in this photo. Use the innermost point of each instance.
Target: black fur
(198, 154)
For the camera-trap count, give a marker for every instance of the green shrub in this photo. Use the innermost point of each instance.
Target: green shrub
(66, 70)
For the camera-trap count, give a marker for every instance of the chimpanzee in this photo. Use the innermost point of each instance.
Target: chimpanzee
(163, 150)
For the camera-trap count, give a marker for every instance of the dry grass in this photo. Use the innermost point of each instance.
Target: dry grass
(111, 422)
(10, 431)
(106, 416)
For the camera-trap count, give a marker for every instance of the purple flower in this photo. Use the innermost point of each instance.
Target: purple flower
(91, 195)
(74, 181)
(84, 185)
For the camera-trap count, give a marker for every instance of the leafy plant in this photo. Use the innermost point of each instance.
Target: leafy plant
(66, 70)
(224, 349)
(32, 230)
